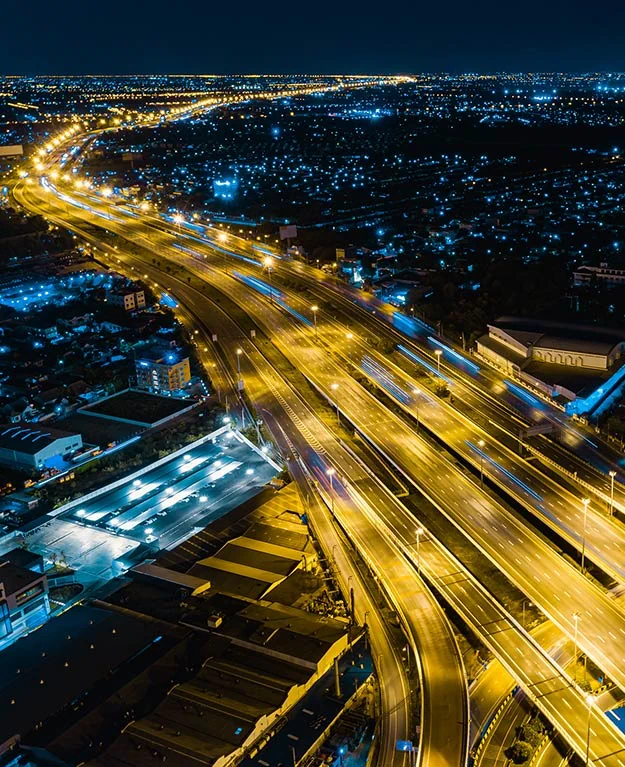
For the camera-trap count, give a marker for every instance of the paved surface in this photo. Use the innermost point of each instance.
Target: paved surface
(168, 502)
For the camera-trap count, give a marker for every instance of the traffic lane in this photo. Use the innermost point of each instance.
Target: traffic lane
(441, 700)
(309, 364)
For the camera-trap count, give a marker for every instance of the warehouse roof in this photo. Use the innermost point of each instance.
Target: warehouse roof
(565, 336)
(31, 438)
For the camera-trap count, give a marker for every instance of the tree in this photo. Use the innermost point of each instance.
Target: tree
(519, 752)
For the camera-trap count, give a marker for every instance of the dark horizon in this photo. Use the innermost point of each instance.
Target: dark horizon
(454, 38)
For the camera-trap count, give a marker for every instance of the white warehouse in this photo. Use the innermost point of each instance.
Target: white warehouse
(32, 447)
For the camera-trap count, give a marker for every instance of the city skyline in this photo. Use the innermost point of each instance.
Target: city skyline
(351, 38)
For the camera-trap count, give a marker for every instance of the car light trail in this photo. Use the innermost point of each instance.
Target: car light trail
(410, 325)
(376, 371)
(448, 350)
(420, 361)
(259, 285)
(507, 473)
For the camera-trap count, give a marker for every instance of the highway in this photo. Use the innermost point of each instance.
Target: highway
(519, 553)
(565, 696)
(444, 698)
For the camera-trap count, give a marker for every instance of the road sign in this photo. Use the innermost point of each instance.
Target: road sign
(403, 745)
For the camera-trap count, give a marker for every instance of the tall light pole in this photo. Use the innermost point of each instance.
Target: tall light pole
(576, 617)
(239, 353)
(419, 532)
(223, 238)
(438, 353)
(416, 405)
(528, 603)
(330, 473)
(335, 388)
(586, 501)
(315, 309)
(612, 475)
(481, 444)
(590, 699)
(268, 262)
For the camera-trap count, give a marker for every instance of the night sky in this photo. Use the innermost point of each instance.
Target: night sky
(161, 36)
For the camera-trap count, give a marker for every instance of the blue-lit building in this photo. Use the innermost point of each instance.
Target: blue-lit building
(225, 188)
(162, 370)
(579, 365)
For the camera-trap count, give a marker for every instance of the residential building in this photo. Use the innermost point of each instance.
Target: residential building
(24, 602)
(601, 275)
(163, 370)
(130, 299)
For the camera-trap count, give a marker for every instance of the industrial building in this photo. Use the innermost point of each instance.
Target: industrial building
(513, 342)
(34, 447)
(578, 365)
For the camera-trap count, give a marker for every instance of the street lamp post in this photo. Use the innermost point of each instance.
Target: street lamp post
(349, 337)
(481, 444)
(315, 309)
(438, 353)
(590, 699)
(268, 262)
(416, 407)
(335, 388)
(528, 603)
(222, 237)
(330, 473)
(239, 353)
(586, 501)
(419, 532)
(612, 475)
(576, 617)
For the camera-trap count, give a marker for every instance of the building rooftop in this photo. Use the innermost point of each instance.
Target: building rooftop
(42, 673)
(15, 578)
(29, 439)
(22, 558)
(562, 335)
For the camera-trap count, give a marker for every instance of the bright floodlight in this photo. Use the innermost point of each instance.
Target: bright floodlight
(330, 472)
(178, 219)
(222, 236)
(268, 262)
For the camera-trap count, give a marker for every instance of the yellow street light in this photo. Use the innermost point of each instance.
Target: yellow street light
(438, 353)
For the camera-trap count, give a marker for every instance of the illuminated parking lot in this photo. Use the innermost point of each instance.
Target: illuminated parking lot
(170, 501)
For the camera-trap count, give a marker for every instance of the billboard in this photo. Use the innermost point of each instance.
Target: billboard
(11, 150)
(287, 232)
